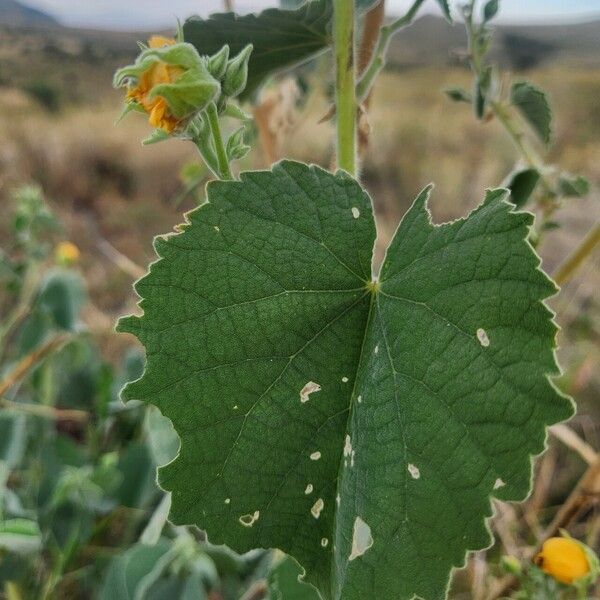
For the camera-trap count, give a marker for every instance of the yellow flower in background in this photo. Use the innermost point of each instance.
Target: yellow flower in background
(67, 254)
(564, 559)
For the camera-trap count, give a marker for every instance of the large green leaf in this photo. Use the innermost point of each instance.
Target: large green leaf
(534, 106)
(360, 427)
(361, 5)
(281, 38)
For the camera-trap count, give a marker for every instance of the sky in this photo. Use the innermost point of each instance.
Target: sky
(156, 14)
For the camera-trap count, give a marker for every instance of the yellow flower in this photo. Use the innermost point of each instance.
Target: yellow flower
(159, 73)
(170, 82)
(564, 559)
(67, 253)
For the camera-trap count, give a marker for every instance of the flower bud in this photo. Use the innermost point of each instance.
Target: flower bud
(236, 74)
(217, 63)
(511, 565)
(170, 82)
(564, 559)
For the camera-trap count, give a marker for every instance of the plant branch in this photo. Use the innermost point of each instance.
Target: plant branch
(501, 110)
(530, 156)
(371, 30)
(569, 438)
(213, 122)
(345, 84)
(46, 412)
(567, 269)
(378, 59)
(30, 361)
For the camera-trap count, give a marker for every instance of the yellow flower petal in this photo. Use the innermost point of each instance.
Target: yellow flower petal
(159, 41)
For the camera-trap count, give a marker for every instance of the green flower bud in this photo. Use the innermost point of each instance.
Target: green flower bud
(236, 74)
(511, 565)
(217, 63)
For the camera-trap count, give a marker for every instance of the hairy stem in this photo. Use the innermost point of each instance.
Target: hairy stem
(345, 84)
(215, 128)
(378, 59)
(528, 153)
(567, 269)
(370, 35)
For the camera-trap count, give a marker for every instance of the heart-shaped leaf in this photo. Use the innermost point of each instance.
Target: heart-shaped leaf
(361, 426)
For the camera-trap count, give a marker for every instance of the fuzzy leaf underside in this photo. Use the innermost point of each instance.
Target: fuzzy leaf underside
(281, 38)
(332, 420)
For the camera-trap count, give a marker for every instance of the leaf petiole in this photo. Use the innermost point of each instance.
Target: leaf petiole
(223, 161)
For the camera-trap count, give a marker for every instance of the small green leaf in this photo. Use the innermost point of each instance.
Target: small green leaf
(281, 38)
(130, 572)
(575, 186)
(522, 184)
(490, 10)
(376, 417)
(21, 536)
(458, 95)
(62, 297)
(156, 524)
(235, 112)
(13, 436)
(157, 136)
(533, 105)
(445, 6)
(550, 225)
(482, 86)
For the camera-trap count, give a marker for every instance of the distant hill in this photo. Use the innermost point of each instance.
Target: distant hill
(432, 41)
(17, 14)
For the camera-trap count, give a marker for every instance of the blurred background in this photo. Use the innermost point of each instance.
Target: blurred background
(91, 183)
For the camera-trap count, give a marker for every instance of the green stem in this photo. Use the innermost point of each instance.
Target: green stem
(567, 269)
(223, 161)
(345, 84)
(377, 62)
(501, 110)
